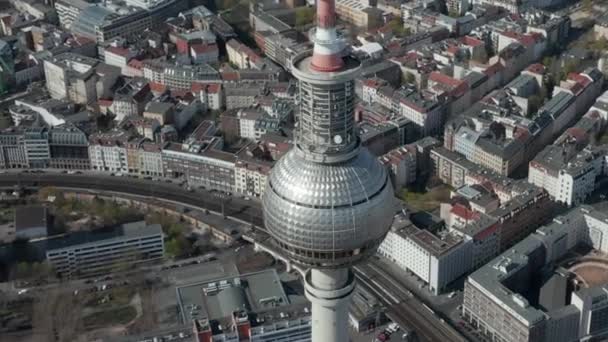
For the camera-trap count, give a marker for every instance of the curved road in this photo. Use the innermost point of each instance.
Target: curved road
(249, 211)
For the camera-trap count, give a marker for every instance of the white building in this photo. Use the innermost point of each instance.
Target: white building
(117, 56)
(211, 95)
(250, 177)
(568, 179)
(70, 76)
(437, 260)
(108, 151)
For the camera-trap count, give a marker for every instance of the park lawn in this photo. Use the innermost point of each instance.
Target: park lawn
(426, 201)
(107, 318)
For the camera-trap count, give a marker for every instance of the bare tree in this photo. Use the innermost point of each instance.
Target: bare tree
(57, 315)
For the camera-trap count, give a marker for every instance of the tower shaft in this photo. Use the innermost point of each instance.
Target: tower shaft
(329, 292)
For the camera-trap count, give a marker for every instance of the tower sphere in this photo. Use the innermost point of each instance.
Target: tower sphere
(328, 215)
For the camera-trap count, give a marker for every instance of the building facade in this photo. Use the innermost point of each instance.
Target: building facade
(94, 253)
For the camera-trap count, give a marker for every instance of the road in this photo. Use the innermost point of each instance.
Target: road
(404, 308)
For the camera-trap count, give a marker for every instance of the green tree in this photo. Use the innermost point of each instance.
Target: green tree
(305, 15)
(175, 229)
(570, 66)
(548, 61)
(408, 77)
(396, 24)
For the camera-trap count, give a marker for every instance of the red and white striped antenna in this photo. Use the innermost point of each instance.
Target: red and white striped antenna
(328, 47)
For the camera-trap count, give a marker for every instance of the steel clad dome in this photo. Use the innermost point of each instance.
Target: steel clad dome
(328, 214)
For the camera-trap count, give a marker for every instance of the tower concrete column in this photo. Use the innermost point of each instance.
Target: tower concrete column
(329, 291)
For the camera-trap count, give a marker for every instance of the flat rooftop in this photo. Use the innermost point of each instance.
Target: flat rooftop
(218, 298)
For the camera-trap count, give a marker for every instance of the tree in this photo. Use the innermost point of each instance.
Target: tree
(408, 77)
(49, 191)
(396, 24)
(570, 66)
(548, 61)
(454, 14)
(305, 15)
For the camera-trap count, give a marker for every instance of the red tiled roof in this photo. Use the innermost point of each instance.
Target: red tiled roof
(471, 41)
(487, 232)
(158, 87)
(536, 68)
(464, 212)
(104, 103)
(527, 40)
(577, 133)
(118, 51)
(510, 34)
(204, 48)
(229, 76)
(371, 83)
(438, 77)
(197, 87)
(580, 79)
(214, 88)
(493, 69)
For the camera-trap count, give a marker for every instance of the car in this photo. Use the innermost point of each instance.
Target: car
(452, 294)
(22, 291)
(246, 198)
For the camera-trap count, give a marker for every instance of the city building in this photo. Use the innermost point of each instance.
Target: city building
(249, 307)
(69, 148)
(78, 78)
(200, 163)
(241, 95)
(499, 299)
(144, 158)
(108, 151)
(12, 152)
(401, 165)
(162, 112)
(359, 13)
(69, 10)
(568, 176)
(438, 258)
(211, 95)
(178, 77)
(100, 251)
(36, 146)
(251, 171)
(131, 99)
(103, 22)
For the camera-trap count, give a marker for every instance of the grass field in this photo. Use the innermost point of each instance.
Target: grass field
(427, 201)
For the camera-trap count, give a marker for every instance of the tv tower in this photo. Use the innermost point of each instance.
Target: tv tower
(328, 202)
